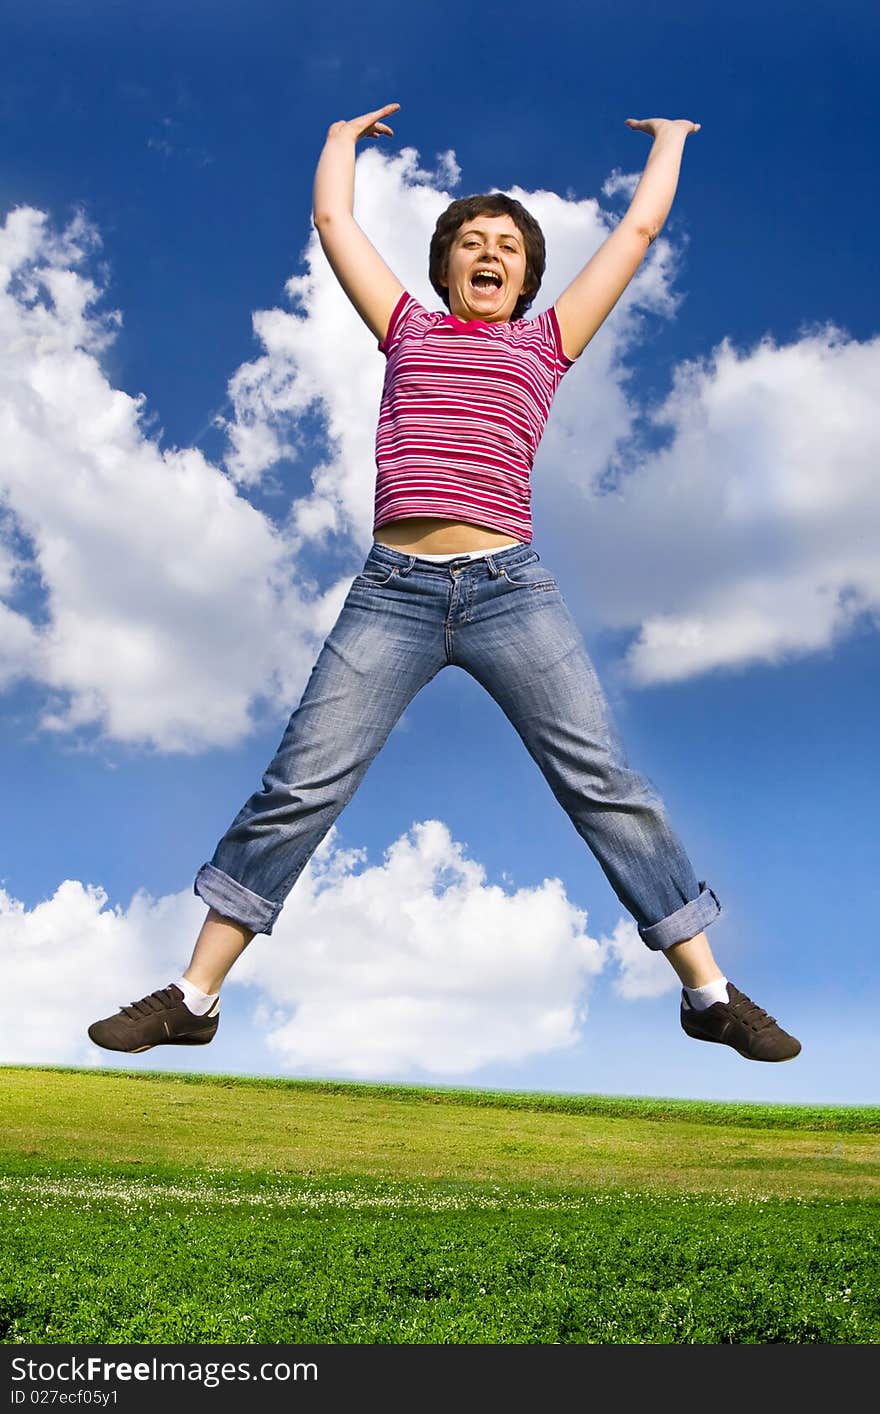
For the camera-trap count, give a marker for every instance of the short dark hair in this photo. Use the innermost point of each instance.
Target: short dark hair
(495, 203)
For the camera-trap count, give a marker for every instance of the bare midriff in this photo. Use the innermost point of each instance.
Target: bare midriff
(432, 535)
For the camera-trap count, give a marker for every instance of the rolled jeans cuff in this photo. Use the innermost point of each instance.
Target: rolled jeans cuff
(691, 918)
(234, 901)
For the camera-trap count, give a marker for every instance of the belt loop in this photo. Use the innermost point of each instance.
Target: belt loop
(493, 568)
(405, 569)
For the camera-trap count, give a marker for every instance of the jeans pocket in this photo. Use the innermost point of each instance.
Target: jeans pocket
(530, 573)
(375, 574)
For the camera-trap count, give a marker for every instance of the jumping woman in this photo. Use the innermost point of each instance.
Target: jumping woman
(452, 578)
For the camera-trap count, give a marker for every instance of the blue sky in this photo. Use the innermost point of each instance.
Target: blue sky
(706, 494)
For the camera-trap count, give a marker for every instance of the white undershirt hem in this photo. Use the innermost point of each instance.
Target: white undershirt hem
(463, 554)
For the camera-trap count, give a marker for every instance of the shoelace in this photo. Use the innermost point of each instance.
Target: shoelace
(156, 1001)
(751, 1014)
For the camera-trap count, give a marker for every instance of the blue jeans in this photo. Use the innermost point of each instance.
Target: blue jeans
(501, 618)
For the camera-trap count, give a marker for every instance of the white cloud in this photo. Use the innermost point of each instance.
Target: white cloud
(621, 184)
(170, 601)
(418, 964)
(754, 535)
(413, 965)
(641, 971)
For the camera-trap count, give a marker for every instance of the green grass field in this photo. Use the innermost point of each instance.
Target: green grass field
(148, 1208)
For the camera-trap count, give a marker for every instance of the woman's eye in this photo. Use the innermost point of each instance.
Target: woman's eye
(508, 249)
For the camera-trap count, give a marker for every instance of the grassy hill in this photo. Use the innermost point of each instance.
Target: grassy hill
(146, 1207)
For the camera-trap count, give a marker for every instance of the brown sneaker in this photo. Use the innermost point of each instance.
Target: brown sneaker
(161, 1019)
(739, 1023)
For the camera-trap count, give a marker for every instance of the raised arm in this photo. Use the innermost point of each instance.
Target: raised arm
(372, 288)
(585, 305)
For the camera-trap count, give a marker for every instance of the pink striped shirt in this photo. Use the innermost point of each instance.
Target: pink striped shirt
(464, 406)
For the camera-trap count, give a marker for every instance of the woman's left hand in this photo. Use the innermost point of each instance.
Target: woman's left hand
(653, 126)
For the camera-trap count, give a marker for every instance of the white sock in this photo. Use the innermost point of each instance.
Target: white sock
(197, 1002)
(701, 997)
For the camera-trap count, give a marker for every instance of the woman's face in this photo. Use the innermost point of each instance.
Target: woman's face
(486, 243)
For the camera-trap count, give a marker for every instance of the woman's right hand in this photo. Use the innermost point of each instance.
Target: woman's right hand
(367, 125)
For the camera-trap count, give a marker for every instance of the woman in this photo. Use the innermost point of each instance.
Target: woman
(452, 578)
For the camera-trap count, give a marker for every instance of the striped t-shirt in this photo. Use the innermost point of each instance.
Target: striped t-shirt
(464, 406)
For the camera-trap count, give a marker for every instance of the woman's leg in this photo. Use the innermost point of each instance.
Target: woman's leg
(522, 644)
(219, 945)
(517, 638)
(384, 647)
(378, 655)
(693, 961)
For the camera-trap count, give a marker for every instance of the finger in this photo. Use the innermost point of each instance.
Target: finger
(367, 120)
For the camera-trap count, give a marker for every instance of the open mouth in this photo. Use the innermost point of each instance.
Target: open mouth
(486, 280)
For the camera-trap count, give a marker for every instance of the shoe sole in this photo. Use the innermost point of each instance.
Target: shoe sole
(137, 1050)
(183, 1041)
(763, 1060)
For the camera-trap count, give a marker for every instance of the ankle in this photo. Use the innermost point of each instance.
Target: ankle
(702, 997)
(695, 977)
(195, 997)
